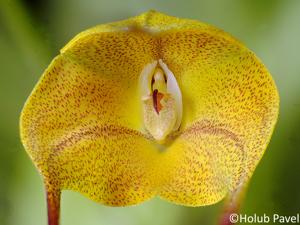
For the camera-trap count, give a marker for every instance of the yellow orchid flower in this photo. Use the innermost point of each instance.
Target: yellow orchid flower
(152, 105)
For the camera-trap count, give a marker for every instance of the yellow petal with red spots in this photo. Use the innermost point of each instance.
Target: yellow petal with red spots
(78, 130)
(85, 128)
(230, 107)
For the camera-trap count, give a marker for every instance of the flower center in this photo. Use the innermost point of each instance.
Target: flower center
(161, 100)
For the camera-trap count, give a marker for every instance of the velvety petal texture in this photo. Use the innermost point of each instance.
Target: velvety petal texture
(83, 123)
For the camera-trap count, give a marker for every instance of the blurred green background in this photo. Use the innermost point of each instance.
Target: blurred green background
(31, 34)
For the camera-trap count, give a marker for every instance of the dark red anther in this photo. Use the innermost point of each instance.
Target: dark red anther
(157, 96)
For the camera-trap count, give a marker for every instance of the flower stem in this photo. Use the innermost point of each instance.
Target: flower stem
(232, 206)
(53, 205)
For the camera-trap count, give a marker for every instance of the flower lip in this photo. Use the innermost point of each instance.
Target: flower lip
(161, 100)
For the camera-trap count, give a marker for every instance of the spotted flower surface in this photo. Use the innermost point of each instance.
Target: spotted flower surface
(152, 105)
